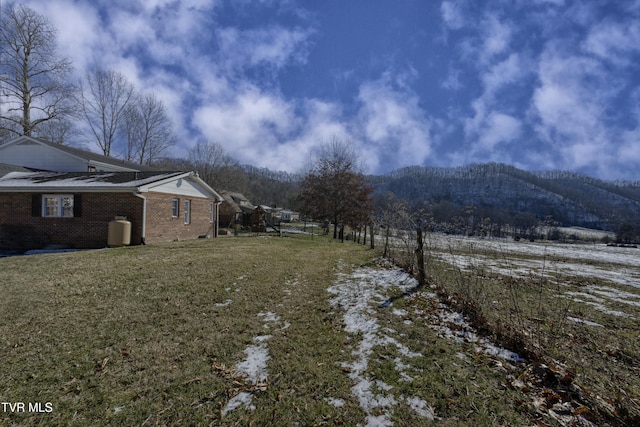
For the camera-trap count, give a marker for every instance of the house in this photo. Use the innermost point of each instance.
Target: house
(40, 154)
(74, 209)
(289, 216)
(52, 194)
(236, 209)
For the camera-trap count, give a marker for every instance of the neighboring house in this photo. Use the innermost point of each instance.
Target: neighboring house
(289, 216)
(36, 153)
(74, 209)
(235, 209)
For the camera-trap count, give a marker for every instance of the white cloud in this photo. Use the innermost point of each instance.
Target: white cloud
(614, 41)
(80, 42)
(499, 128)
(273, 46)
(503, 73)
(452, 15)
(570, 106)
(496, 38)
(392, 121)
(251, 121)
(488, 126)
(452, 81)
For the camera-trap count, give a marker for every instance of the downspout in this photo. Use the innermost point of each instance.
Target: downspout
(144, 216)
(218, 203)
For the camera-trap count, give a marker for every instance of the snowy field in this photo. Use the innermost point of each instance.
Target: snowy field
(607, 276)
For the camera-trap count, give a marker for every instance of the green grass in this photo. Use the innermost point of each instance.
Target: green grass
(151, 335)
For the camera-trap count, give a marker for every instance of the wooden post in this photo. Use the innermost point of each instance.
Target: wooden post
(420, 257)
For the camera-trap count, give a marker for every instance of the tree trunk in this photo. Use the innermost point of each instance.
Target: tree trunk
(371, 232)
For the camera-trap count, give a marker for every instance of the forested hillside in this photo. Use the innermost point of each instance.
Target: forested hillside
(502, 193)
(507, 194)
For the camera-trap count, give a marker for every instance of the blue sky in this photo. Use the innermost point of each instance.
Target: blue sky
(539, 84)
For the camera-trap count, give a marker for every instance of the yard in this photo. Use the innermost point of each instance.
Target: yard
(286, 331)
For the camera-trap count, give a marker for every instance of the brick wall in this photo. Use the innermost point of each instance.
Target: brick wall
(19, 229)
(162, 226)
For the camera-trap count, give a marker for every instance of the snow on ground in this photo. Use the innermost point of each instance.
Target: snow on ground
(454, 326)
(254, 367)
(599, 253)
(586, 264)
(357, 294)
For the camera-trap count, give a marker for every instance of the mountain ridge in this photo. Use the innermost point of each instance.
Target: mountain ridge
(499, 189)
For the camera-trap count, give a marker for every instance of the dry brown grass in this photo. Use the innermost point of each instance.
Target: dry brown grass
(152, 335)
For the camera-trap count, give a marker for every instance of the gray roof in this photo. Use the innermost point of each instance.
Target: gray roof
(91, 182)
(237, 201)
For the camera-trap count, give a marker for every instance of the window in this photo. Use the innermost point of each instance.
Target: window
(175, 208)
(57, 205)
(187, 211)
(212, 212)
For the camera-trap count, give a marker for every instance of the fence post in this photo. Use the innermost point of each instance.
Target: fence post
(420, 256)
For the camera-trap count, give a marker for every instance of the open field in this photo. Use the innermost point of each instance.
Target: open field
(574, 304)
(286, 331)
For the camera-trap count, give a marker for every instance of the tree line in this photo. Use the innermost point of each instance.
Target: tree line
(39, 98)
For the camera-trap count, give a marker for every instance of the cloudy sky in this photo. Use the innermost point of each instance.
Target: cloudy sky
(539, 84)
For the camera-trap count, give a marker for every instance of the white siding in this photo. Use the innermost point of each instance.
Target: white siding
(183, 187)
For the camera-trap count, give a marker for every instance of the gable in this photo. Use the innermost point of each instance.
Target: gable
(184, 186)
(44, 155)
(31, 154)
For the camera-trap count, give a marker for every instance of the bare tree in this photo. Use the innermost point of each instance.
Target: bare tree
(147, 129)
(34, 83)
(334, 190)
(58, 131)
(104, 102)
(214, 165)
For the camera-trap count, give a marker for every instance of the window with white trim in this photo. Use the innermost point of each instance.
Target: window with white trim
(57, 205)
(187, 211)
(212, 210)
(175, 208)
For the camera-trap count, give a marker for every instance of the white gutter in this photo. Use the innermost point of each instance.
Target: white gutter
(218, 203)
(144, 215)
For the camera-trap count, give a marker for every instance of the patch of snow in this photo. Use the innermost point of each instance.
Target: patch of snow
(254, 367)
(355, 294)
(586, 322)
(241, 399)
(453, 325)
(224, 304)
(269, 317)
(399, 312)
(602, 308)
(338, 403)
(421, 407)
